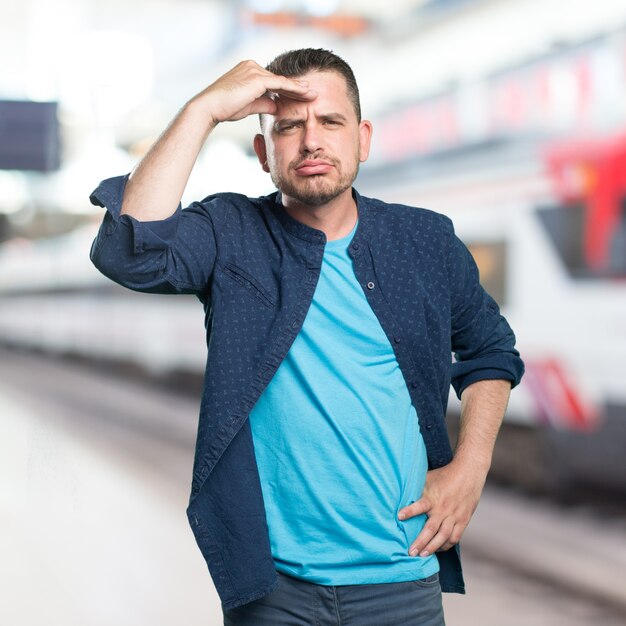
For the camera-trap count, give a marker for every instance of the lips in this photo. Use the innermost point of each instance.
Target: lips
(312, 167)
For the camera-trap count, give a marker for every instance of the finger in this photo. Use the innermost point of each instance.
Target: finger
(423, 505)
(430, 530)
(442, 536)
(294, 88)
(264, 104)
(455, 537)
(305, 95)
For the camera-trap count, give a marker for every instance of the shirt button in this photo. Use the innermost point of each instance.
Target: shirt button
(294, 324)
(414, 384)
(396, 339)
(355, 246)
(370, 285)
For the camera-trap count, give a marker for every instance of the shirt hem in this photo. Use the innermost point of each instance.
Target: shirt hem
(402, 576)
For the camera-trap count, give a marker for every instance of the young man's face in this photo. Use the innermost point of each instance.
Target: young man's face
(312, 149)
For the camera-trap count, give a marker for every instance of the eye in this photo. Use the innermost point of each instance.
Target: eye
(284, 128)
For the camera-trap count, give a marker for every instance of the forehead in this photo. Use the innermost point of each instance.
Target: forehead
(332, 95)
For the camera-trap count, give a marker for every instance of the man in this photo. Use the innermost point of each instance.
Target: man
(324, 488)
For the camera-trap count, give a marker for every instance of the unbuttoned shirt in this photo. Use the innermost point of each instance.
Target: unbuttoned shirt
(338, 446)
(255, 268)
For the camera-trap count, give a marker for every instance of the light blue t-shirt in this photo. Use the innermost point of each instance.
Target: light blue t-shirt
(338, 444)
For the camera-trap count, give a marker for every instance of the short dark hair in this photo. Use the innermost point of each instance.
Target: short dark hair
(295, 63)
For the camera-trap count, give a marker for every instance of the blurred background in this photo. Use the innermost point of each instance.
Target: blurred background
(507, 115)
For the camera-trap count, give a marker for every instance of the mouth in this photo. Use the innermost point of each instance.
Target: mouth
(312, 167)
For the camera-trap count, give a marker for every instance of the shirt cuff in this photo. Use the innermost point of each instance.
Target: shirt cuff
(149, 235)
(503, 366)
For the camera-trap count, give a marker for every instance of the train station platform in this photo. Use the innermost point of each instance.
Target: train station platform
(94, 478)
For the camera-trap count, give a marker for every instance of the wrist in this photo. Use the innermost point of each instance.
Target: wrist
(200, 108)
(478, 465)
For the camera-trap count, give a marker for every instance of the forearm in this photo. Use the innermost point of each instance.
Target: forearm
(156, 185)
(483, 405)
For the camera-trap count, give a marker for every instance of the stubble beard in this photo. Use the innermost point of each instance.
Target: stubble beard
(314, 190)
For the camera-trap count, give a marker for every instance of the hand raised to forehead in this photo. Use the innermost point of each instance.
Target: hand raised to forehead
(248, 89)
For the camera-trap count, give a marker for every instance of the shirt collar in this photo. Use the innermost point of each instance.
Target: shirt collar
(308, 233)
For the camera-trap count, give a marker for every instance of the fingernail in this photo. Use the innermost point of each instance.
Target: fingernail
(425, 553)
(413, 551)
(401, 515)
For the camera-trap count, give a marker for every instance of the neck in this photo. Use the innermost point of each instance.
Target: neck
(335, 218)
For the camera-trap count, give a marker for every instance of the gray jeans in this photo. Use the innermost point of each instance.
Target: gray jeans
(297, 602)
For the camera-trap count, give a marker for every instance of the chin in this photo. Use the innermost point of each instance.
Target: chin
(311, 194)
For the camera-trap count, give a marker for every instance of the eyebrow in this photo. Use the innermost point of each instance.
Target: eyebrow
(326, 116)
(333, 116)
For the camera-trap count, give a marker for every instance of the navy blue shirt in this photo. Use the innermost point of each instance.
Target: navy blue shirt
(255, 269)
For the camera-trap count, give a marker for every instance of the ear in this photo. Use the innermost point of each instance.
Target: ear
(261, 151)
(365, 137)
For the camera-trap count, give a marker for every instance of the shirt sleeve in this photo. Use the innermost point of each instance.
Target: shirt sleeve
(173, 255)
(482, 340)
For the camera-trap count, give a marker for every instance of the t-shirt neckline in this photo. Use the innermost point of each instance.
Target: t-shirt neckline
(342, 242)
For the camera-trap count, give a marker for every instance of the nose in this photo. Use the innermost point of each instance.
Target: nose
(311, 137)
